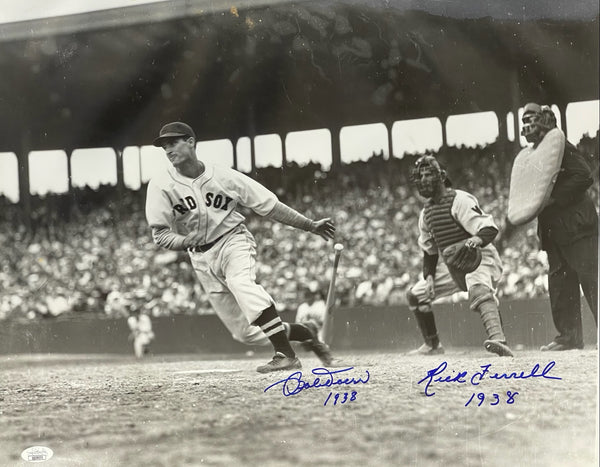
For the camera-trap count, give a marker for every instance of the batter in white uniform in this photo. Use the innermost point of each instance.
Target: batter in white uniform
(193, 206)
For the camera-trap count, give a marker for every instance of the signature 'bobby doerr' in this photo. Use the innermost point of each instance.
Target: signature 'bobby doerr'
(294, 384)
(436, 375)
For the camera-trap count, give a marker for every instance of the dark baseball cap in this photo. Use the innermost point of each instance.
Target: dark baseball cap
(173, 130)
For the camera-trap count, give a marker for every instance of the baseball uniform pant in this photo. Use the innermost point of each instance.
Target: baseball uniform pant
(488, 273)
(227, 273)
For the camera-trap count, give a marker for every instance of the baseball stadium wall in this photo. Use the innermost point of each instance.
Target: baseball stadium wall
(527, 323)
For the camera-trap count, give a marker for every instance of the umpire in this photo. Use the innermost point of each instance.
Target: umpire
(568, 231)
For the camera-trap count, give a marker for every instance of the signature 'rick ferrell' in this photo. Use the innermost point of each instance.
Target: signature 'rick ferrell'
(441, 375)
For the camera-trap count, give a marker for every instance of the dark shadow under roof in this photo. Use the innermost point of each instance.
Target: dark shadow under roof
(112, 78)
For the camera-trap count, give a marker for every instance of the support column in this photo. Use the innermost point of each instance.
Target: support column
(515, 98)
(389, 127)
(139, 152)
(392, 178)
(562, 109)
(252, 157)
(284, 174)
(120, 170)
(503, 141)
(73, 202)
(235, 154)
(251, 118)
(283, 151)
(24, 181)
(69, 154)
(336, 153)
(443, 120)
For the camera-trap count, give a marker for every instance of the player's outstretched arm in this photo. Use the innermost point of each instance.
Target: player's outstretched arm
(288, 216)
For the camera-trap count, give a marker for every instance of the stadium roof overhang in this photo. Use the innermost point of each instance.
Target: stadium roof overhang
(112, 78)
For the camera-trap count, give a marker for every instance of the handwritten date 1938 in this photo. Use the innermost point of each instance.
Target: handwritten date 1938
(341, 399)
(496, 398)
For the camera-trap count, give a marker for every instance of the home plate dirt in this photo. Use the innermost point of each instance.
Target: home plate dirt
(463, 408)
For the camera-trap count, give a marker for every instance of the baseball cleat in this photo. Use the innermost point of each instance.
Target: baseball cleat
(557, 346)
(280, 362)
(498, 347)
(426, 349)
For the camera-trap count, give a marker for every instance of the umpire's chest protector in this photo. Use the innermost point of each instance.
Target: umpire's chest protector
(532, 178)
(440, 222)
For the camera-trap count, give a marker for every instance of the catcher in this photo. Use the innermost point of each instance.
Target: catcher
(453, 224)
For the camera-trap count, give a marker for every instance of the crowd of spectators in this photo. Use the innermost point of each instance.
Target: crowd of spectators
(91, 251)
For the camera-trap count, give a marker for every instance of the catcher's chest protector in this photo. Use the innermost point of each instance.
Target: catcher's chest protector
(441, 224)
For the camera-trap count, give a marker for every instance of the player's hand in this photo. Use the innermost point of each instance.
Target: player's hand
(464, 256)
(430, 288)
(324, 228)
(474, 242)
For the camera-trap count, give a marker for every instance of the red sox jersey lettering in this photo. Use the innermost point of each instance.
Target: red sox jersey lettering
(184, 206)
(218, 201)
(206, 204)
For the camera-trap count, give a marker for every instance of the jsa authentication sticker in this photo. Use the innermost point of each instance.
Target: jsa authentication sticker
(37, 454)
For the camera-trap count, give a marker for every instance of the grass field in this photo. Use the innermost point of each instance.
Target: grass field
(192, 410)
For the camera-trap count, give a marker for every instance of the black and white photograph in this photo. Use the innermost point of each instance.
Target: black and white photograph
(294, 233)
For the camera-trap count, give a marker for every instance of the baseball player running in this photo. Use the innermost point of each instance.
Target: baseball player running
(450, 217)
(194, 206)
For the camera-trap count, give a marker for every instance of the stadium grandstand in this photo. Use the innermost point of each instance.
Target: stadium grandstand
(110, 79)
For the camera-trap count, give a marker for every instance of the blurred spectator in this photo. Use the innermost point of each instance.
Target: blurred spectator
(141, 333)
(312, 308)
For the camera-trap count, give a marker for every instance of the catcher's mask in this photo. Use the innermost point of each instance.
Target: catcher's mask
(428, 176)
(537, 121)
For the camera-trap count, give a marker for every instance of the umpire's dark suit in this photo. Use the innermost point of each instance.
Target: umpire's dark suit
(568, 231)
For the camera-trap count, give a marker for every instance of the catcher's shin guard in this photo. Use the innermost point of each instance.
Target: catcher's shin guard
(425, 320)
(483, 301)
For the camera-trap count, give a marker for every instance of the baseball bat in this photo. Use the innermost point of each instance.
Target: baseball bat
(328, 319)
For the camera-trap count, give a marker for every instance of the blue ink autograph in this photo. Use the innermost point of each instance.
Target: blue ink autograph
(435, 375)
(294, 384)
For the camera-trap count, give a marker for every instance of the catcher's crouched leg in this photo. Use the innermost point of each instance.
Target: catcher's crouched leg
(483, 301)
(426, 322)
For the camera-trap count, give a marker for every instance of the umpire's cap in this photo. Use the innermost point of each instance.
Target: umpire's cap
(173, 130)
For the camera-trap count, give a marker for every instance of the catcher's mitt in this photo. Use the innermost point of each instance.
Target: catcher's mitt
(462, 258)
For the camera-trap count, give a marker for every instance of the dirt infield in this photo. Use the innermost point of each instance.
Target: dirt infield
(187, 410)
